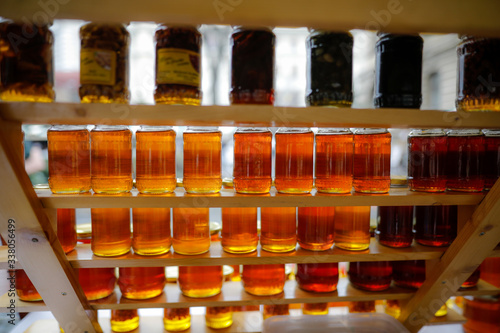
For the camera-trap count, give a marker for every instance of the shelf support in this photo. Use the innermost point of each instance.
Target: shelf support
(27, 229)
(475, 241)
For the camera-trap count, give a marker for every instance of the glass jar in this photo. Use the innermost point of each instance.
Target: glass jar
(66, 228)
(69, 158)
(435, 225)
(263, 280)
(294, 160)
(398, 71)
(478, 74)
(151, 231)
(334, 151)
(104, 63)
(26, 69)
(239, 229)
(176, 319)
(252, 66)
(315, 228)
(252, 160)
(352, 227)
(372, 160)
(202, 160)
(96, 283)
(111, 159)
(218, 317)
(371, 276)
(155, 159)
(110, 231)
(492, 157)
(329, 68)
(318, 277)
(465, 160)
(141, 282)
(178, 65)
(124, 320)
(408, 274)
(482, 313)
(395, 226)
(427, 149)
(190, 230)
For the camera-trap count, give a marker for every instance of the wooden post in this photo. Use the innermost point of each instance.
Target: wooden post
(25, 226)
(474, 242)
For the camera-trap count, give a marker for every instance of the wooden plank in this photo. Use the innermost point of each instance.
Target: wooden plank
(234, 294)
(83, 257)
(36, 246)
(452, 317)
(483, 288)
(241, 115)
(229, 198)
(21, 306)
(476, 241)
(476, 17)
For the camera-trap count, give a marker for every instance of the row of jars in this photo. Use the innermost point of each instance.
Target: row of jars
(313, 228)
(27, 67)
(103, 160)
(141, 283)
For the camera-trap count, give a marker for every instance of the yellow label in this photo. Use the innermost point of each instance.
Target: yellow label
(178, 66)
(97, 66)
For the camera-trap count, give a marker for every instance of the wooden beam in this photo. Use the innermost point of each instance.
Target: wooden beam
(241, 115)
(476, 241)
(448, 16)
(229, 198)
(25, 224)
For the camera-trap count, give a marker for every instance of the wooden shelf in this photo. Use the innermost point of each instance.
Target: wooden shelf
(21, 306)
(475, 18)
(482, 288)
(234, 294)
(452, 317)
(240, 115)
(83, 257)
(229, 198)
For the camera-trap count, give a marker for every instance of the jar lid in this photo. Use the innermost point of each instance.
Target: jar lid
(84, 230)
(399, 181)
(172, 274)
(215, 227)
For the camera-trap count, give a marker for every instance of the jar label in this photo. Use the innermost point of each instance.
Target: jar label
(178, 66)
(97, 66)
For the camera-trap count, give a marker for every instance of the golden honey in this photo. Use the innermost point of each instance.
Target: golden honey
(155, 159)
(200, 281)
(25, 289)
(263, 280)
(191, 230)
(239, 230)
(110, 231)
(278, 231)
(141, 282)
(315, 228)
(97, 283)
(176, 319)
(124, 320)
(352, 228)
(315, 308)
(219, 317)
(66, 228)
(151, 231)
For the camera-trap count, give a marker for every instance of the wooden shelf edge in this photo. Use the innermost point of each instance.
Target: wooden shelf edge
(452, 317)
(240, 115)
(20, 306)
(82, 257)
(482, 288)
(229, 198)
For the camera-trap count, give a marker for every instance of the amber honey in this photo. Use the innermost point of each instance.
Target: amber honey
(69, 159)
(200, 281)
(352, 228)
(333, 168)
(176, 319)
(492, 153)
(151, 231)
(482, 314)
(395, 226)
(315, 228)
(315, 308)
(263, 280)
(219, 317)
(66, 228)
(239, 230)
(275, 310)
(26, 65)
(97, 283)
(178, 65)
(408, 274)
(435, 225)
(371, 276)
(141, 282)
(191, 230)
(202, 160)
(372, 160)
(294, 160)
(472, 279)
(124, 320)
(155, 159)
(393, 308)
(110, 231)
(278, 229)
(320, 277)
(361, 306)
(252, 160)
(111, 155)
(490, 271)
(25, 289)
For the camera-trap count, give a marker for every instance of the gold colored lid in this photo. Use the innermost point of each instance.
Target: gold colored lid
(84, 230)
(399, 181)
(179, 182)
(227, 271)
(215, 227)
(227, 183)
(172, 274)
